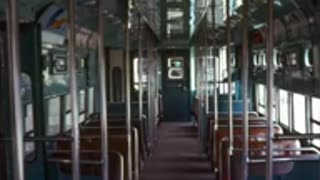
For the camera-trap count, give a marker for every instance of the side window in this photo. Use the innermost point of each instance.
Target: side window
(68, 116)
(315, 122)
(29, 128)
(136, 76)
(53, 127)
(261, 98)
(82, 106)
(90, 101)
(299, 113)
(284, 107)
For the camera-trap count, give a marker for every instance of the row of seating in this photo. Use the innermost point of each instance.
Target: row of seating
(118, 144)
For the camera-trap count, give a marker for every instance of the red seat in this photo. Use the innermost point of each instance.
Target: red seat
(237, 122)
(259, 169)
(221, 148)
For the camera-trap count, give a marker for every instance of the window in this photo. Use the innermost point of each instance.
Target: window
(91, 100)
(299, 113)
(261, 98)
(175, 21)
(284, 107)
(315, 109)
(316, 129)
(29, 127)
(82, 100)
(316, 119)
(136, 76)
(53, 127)
(224, 89)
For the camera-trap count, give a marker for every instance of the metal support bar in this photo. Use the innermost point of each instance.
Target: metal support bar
(103, 91)
(229, 82)
(270, 79)
(70, 161)
(128, 89)
(245, 74)
(74, 92)
(140, 68)
(15, 96)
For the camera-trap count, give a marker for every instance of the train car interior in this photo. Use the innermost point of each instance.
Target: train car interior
(160, 89)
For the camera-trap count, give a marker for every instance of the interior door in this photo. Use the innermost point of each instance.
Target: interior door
(176, 87)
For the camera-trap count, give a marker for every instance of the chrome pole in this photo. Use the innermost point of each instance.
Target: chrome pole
(103, 91)
(229, 86)
(270, 81)
(73, 92)
(15, 95)
(215, 82)
(229, 79)
(128, 89)
(206, 68)
(245, 74)
(140, 68)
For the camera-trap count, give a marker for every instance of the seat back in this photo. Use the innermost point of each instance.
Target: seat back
(136, 123)
(117, 141)
(116, 171)
(221, 148)
(237, 122)
(259, 169)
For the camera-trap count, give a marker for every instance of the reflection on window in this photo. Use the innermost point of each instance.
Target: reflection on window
(284, 107)
(53, 127)
(315, 109)
(136, 76)
(29, 127)
(299, 116)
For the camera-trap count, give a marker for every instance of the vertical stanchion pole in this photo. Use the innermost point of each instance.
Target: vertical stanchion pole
(229, 80)
(73, 92)
(140, 68)
(229, 86)
(15, 95)
(245, 74)
(103, 91)
(128, 89)
(206, 68)
(270, 79)
(215, 83)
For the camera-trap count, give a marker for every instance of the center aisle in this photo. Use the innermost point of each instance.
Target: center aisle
(178, 155)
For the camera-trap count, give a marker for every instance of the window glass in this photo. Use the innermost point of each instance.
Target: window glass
(299, 113)
(82, 118)
(53, 116)
(261, 98)
(136, 74)
(68, 102)
(91, 100)
(29, 127)
(316, 109)
(284, 107)
(316, 129)
(175, 21)
(82, 100)
(223, 88)
(68, 123)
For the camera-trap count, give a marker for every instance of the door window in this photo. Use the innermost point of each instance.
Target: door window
(175, 68)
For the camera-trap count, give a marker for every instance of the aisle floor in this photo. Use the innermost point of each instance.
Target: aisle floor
(178, 155)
